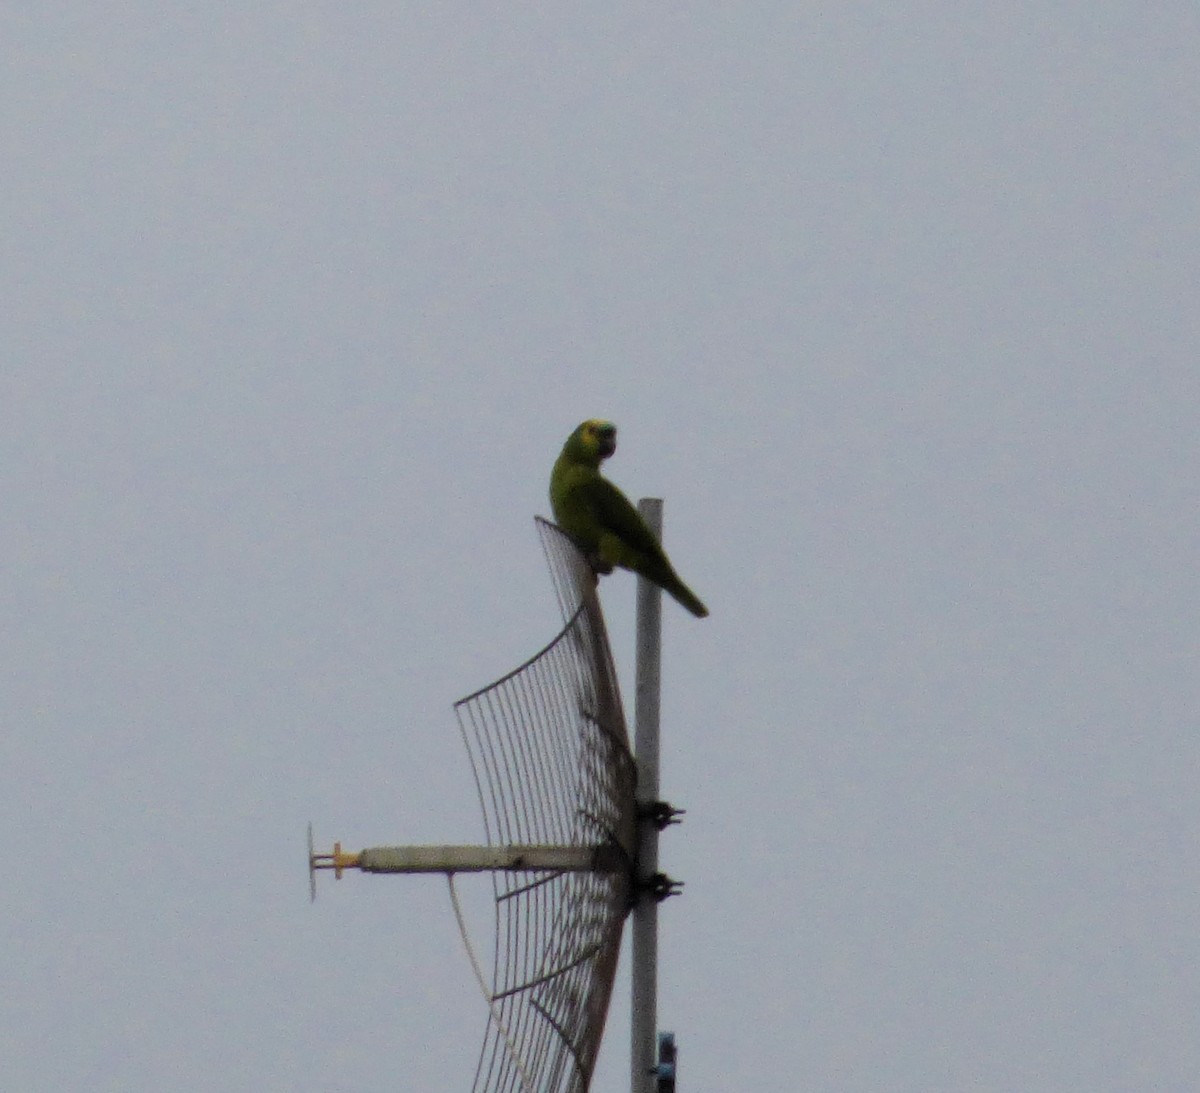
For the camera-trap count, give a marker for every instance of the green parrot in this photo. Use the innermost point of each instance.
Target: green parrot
(600, 519)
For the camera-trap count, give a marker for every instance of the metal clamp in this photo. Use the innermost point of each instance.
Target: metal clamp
(660, 813)
(661, 887)
(664, 1072)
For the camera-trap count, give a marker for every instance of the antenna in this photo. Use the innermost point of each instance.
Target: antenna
(572, 826)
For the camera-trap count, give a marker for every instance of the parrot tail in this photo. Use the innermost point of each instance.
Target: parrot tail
(686, 597)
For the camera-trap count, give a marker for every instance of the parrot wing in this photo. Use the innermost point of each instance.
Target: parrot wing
(614, 513)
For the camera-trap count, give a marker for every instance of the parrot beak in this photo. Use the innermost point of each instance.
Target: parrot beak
(607, 437)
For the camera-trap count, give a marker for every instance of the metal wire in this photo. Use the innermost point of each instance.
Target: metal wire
(550, 753)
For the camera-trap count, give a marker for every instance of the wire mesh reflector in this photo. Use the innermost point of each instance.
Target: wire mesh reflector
(550, 754)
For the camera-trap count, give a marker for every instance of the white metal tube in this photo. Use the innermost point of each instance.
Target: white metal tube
(644, 961)
(479, 859)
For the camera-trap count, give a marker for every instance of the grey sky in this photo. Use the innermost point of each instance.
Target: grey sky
(895, 305)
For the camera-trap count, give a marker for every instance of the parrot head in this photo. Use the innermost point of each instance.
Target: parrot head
(593, 442)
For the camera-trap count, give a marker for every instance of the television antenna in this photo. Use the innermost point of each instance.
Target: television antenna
(572, 819)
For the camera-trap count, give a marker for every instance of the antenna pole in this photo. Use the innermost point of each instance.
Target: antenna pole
(644, 969)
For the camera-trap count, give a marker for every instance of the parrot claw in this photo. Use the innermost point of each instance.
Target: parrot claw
(599, 566)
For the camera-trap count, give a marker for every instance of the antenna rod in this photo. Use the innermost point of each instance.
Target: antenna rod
(644, 968)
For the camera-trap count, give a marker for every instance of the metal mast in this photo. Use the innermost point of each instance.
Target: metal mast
(649, 1071)
(643, 1020)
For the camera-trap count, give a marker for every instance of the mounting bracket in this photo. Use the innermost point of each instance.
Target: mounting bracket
(660, 813)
